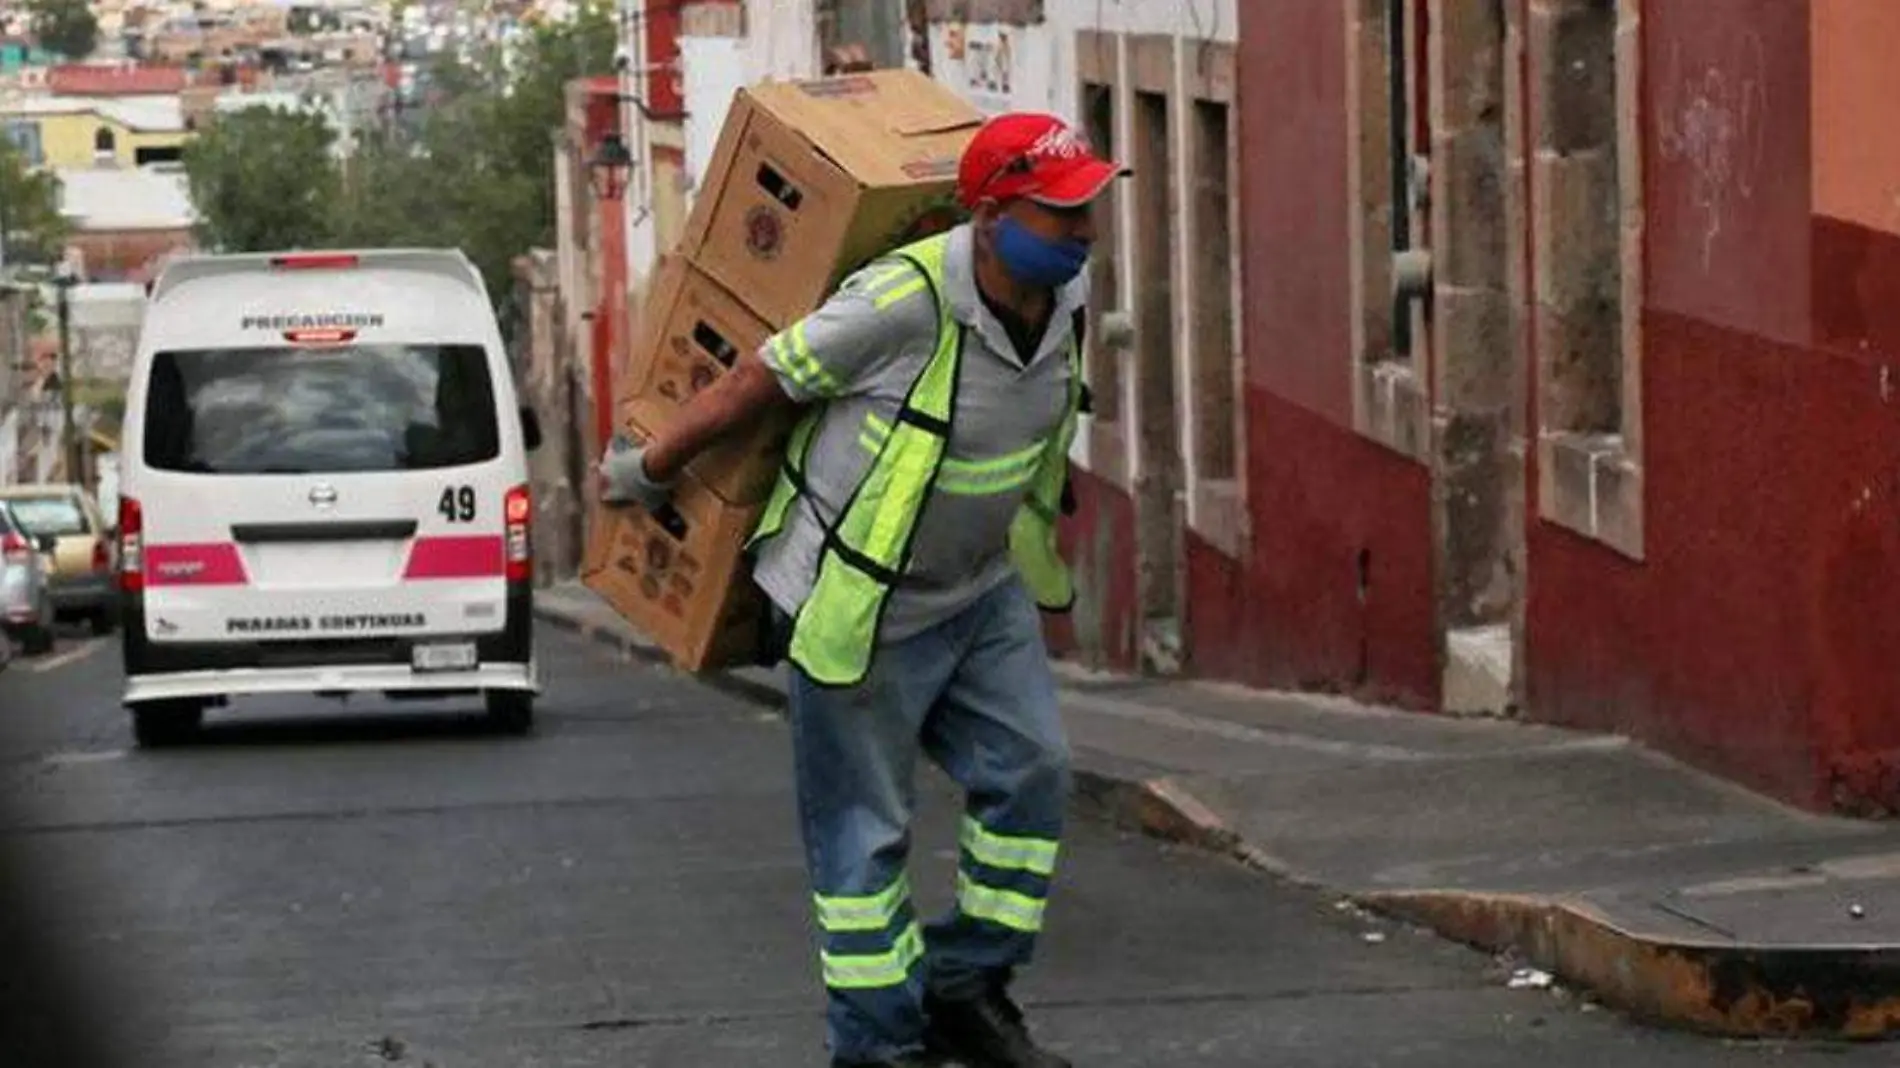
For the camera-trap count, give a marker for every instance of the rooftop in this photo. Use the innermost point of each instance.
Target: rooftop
(145, 114)
(285, 99)
(90, 79)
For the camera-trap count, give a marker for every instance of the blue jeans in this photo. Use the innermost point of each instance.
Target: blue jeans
(976, 695)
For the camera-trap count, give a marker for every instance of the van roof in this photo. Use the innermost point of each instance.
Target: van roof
(449, 263)
(380, 296)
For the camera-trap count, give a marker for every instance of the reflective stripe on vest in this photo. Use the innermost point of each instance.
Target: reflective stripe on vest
(868, 546)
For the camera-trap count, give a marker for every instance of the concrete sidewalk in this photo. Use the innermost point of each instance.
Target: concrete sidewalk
(1674, 896)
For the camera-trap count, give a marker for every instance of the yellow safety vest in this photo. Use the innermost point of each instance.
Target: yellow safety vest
(868, 544)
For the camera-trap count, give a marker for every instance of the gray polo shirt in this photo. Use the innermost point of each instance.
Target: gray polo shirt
(860, 352)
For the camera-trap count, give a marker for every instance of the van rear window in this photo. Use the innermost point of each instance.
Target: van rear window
(309, 411)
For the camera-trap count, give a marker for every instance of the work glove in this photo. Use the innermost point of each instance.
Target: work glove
(624, 478)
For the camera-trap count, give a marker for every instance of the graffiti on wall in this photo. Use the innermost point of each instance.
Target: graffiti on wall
(1711, 119)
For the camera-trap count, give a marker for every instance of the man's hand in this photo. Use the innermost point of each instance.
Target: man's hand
(624, 478)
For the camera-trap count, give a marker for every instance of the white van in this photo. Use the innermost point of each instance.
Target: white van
(323, 488)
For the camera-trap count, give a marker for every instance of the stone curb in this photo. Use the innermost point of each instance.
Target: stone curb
(1720, 988)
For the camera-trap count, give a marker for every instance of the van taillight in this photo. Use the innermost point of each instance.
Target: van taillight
(101, 556)
(131, 546)
(518, 508)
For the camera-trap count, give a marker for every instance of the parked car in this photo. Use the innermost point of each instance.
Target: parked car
(81, 565)
(26, 604)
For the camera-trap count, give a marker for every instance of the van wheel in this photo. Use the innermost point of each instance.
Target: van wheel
(510, 711)
(104, 620)
(165, 723)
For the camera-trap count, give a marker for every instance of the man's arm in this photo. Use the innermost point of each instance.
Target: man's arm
(827, 354)
(738, 398)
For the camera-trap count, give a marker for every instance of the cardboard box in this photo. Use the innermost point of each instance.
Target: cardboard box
(812, 179)
(679, 576)
(693, 333)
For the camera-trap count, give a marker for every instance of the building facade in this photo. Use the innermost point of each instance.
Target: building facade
(1736, 604)
(83, 132)
(1623, 430)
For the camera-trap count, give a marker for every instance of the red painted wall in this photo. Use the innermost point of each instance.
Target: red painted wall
(1758, 637)
(665, 93)
(1334, 591)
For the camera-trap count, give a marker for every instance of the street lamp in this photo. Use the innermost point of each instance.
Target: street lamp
(607, 171)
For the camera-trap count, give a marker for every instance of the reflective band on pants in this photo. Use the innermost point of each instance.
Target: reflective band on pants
(1018, 912)
(1007, 852)
(872, 912)
(860, 971)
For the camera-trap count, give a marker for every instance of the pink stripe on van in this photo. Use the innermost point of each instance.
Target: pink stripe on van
(458, 557)
(204, 564)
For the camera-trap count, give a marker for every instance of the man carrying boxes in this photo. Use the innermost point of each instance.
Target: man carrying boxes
(906, 547)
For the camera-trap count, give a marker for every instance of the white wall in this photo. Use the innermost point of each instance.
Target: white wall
(1033, 68)
(714, 69)
(781, 42)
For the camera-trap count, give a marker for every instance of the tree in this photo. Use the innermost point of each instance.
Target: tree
(264, 179)
(479, 172)
(476, 172)
(67, 27)
(31, 228)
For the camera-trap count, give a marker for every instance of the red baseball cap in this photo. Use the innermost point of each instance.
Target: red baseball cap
(1027, 154)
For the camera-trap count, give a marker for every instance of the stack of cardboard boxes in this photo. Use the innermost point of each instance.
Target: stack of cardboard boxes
(810, 180)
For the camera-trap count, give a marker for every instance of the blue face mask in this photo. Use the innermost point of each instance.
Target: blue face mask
(1037, 261)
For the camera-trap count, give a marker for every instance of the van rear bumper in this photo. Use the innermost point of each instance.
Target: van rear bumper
(340, 678)
(514, 643)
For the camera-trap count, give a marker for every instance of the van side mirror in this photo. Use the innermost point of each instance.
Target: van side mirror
(530, 428)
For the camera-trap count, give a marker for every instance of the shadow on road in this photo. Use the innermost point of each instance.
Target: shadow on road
(236, 730)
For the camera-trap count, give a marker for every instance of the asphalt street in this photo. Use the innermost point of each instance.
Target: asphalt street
(322, 885)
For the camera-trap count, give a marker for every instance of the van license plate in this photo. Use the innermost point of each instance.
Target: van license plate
(453, 656)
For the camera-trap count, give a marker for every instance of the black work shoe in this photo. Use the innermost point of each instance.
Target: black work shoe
(985, 1032)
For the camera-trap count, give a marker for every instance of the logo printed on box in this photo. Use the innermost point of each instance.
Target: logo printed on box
(764, 233)
(659, 554)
